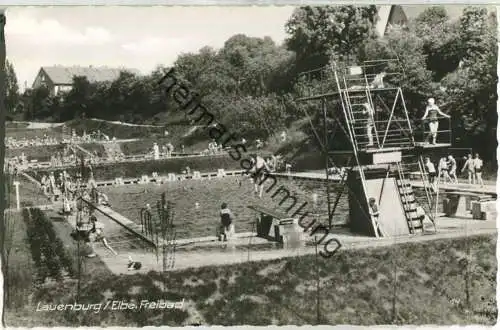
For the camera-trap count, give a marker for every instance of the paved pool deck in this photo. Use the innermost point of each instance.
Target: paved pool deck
(238, 250)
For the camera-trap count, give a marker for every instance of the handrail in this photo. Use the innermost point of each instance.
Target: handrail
(405, 195)
(427, 132)
(427, 190)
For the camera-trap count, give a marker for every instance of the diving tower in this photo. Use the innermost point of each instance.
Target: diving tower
(365, 102)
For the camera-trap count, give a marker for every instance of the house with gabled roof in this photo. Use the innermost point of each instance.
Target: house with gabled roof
(400, 15)
(59, 78)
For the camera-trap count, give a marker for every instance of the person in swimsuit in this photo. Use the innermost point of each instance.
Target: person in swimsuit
(97, 235)
(478, 169)
(432, 111)
(370, 123)
(443, 170)
(431, 171)
(452, 165)
(374, 212)
(378, 81)
(469, 165)
(226, 220)
(259, 171)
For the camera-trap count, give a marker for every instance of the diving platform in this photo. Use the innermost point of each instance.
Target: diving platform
(425, 145)
(462, 187)
(372, 150)
(418, 145)
(335, 93)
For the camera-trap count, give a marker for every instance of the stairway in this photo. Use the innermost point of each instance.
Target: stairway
(409, 202)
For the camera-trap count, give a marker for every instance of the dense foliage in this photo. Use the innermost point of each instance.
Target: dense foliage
(250, 83)
(47, 250)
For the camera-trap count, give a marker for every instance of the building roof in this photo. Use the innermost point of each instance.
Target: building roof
(454, 11)
(384, 12)
(63, 75)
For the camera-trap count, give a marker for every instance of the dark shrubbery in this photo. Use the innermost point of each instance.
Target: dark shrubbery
(47, 250)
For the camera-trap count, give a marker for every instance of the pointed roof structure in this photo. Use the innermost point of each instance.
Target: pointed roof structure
(400, 14)
(63, 75)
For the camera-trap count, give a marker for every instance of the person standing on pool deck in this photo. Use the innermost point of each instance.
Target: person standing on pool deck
(432, 111)
(452, 165)
(259, 171)
(469, 165)
(431, 170)
(478, 170)
(443, 170)
(226, 219)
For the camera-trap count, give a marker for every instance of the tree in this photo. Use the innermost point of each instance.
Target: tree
(78, 100)
(317, 33)
(12, 96)
(441, 41)
(472, 89)
(412, 74)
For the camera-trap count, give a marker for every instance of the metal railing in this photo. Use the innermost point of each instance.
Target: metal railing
(443, 134)
(322, 81)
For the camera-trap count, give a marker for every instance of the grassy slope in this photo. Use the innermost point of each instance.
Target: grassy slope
(356, 287)
(29, 193)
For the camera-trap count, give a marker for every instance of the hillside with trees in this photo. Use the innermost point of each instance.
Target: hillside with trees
(250, 83)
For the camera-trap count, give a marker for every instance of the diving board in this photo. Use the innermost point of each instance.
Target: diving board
(124, 222)
(461, 187)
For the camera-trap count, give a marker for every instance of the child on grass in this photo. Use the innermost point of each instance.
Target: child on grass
(226, 217)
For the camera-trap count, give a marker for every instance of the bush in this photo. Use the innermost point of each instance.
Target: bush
(47, 249)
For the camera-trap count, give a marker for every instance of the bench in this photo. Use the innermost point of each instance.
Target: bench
(484, 210)
(278, 227)
(459, 203)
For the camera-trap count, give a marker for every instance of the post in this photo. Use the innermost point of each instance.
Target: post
(318, 313)
(18, 201)
(2, 147)
(327, 163)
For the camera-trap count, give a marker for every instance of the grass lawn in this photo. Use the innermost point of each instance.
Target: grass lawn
(28, 133)
(29, 193)
(20, 266)
(414, 283)
(144, 146)
(210, 194)
(23, 295)
(40, 153)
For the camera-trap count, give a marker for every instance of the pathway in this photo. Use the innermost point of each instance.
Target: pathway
(224, 255)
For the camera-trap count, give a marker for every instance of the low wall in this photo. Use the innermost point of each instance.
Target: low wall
(135, 169)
